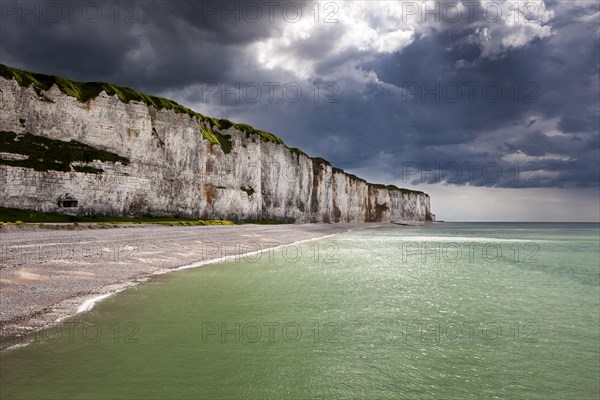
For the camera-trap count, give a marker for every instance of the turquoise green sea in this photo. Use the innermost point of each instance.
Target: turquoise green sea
(447, 311)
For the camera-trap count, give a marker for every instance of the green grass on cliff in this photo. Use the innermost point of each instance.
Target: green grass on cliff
(18, 216)
(264, 136)
(403, 190)
(83, 91)
(216, 138)
(44, 154)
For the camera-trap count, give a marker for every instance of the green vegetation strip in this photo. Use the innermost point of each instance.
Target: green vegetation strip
(403, 190)
(217, 138)
(18, 217)
(44, 154)
(83, 91)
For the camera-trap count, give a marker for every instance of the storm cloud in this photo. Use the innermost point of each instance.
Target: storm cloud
(479, 93)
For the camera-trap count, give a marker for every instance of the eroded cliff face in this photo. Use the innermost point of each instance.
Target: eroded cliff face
(158, 162)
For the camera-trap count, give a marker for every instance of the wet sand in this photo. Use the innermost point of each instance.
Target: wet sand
(49, 274)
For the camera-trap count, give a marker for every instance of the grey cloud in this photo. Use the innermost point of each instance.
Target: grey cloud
(175, 47)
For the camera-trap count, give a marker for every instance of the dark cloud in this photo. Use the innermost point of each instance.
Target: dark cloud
(389, 109)
(578, 123)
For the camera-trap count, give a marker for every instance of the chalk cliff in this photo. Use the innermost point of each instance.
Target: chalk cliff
(94, 148)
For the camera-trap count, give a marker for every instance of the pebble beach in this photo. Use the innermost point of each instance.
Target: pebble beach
(49, 273)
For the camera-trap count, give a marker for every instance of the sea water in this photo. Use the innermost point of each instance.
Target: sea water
(450, 310)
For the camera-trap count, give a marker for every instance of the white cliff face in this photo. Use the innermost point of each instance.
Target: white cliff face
(174, 170)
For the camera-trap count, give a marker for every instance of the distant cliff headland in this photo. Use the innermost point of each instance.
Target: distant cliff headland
(91, 148)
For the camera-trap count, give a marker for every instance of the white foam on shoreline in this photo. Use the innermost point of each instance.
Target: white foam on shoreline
(198, 264)
(18, 345)
(89, 304)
